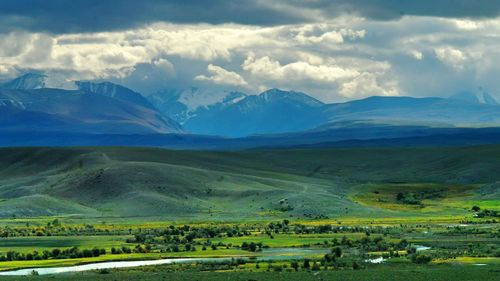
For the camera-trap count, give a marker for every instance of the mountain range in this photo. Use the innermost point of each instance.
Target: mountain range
(27, 104)
(234, 114)
(55, 107)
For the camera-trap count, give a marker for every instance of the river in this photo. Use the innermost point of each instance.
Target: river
(266, 254)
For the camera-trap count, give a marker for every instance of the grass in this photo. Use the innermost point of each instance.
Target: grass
(134, 190)
(433, 197)
(27, 244)
(379, 273)
(192, 186)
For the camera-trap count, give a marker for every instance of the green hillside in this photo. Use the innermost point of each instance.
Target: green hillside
(255, 184)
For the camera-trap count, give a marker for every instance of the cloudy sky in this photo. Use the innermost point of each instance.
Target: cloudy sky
(334, 50)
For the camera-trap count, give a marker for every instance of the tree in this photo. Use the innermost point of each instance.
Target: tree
(315, 266)
(252, 247)
(126, 250)
(307, 264)
(294, 265)
(421, 259)
(329, 257)
(337, 251)
(355, 266)
(96, 252)
(56, 252)
(476, 208)
(87, 253)
(175, 248)
(56, 223)
(400, 196)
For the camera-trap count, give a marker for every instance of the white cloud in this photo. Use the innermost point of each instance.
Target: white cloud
(332, 60)
(164, 65)
(466, 24)
(221, 76)
(451, 56)
(299, 70)
(325, 34)
(416, 55)
(366, 85)
(3, 70)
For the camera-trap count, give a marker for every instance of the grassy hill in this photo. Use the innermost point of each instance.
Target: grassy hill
(254, 184)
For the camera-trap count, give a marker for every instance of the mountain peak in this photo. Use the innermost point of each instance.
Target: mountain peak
(33, 81)
(114, 91)
(26, 81)
(278, 94)
(477, 97)
(182, 104)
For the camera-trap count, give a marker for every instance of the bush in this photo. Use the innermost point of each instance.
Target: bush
(104, 271)
(355, 266)
(421, 259)
(337, 251)
(315, 266)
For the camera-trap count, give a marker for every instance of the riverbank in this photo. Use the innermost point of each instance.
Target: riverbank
(375, 273)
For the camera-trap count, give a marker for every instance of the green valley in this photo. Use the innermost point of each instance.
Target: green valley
(336, 212)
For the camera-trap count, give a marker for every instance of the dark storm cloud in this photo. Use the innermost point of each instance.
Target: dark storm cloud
(62, 16)
(101, 15)
(393, 9)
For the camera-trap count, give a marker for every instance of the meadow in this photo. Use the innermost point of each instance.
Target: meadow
(286, 214)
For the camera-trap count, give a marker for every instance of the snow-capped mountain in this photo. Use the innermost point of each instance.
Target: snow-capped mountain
(32, 81)
(277, 111)
(29, 103)
(237, 114)
(182, 105)
(476, 97)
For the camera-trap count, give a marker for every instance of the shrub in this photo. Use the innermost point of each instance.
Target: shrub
(421, 259)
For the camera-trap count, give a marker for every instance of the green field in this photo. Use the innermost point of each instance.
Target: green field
(118, 183)
(71, 206)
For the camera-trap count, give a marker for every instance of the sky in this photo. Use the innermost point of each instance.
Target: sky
(333, 50)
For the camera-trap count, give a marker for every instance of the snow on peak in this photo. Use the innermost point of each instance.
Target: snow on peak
(477, 97)
(195, 98)
(32, 81)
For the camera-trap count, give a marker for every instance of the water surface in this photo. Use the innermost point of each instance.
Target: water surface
(266, 254)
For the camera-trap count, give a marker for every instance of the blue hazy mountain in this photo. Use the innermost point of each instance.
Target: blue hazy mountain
(479, 97)
(28, 103)
(273, 111)
(114, 91)
(407, 110)
(277, 111)
(34, 102)
(28, 81)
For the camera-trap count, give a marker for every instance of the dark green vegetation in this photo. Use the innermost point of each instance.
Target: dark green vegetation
(255, 185)
(375, 273)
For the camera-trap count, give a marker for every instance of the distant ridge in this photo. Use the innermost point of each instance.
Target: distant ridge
(28, 104)
(105, 107)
